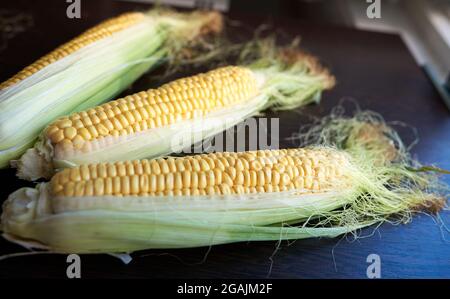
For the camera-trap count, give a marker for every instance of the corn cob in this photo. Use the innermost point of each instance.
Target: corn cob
(214, 174)
(182, 99)
(143, 185)
(110, 56)
(146, 124)
(218, 198)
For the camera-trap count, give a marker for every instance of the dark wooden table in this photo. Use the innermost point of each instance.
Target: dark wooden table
(375, 69)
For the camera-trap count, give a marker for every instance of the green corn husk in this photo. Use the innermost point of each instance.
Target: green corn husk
(93, 74)
(288, 79)
(383, 189)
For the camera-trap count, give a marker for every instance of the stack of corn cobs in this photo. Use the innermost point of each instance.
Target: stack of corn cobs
(112, 186)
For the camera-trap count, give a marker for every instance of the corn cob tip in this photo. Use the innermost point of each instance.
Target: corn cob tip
(292, 56)
(203, 22)
(33, 165)
(432, 204)
(365, 131)
(374, 136)
(213, 23)
(290, 59)
(21, 207)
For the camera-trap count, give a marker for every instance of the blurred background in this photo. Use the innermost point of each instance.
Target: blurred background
(424, 25)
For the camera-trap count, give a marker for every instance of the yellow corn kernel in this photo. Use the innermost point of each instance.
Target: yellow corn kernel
(170, 176)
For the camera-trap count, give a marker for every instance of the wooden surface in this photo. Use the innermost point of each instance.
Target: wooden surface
(374, 69)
